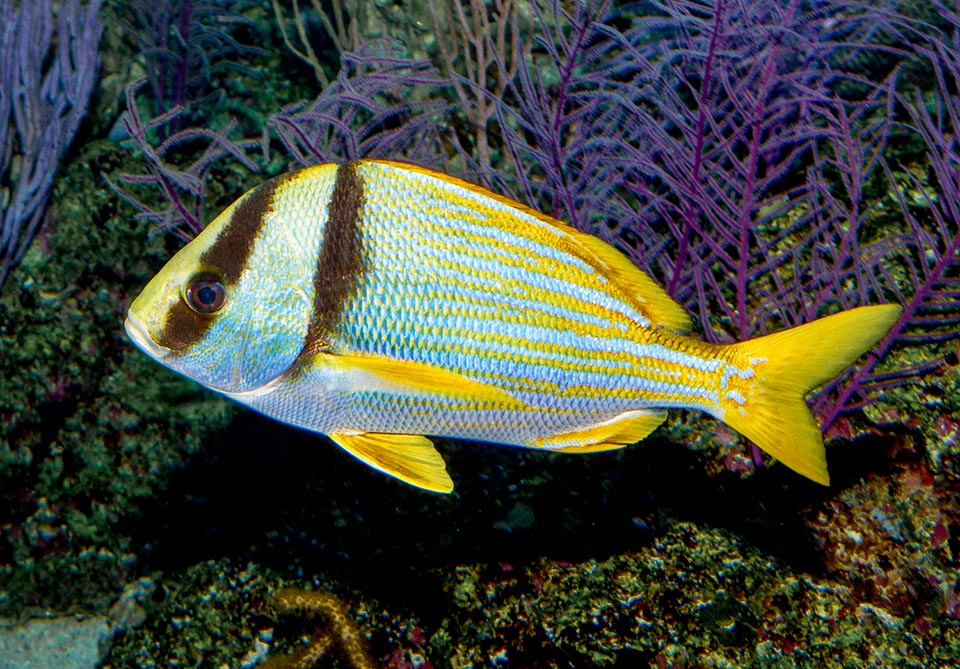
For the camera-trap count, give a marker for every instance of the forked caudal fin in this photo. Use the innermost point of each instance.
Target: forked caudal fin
(789, 365)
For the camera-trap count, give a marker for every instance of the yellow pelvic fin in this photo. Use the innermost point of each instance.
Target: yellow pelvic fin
(411, 458)
(789, 365)
(405, 377)
(623, 430)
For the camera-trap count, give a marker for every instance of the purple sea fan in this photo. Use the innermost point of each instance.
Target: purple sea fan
(182, 189)
(682, 135)
(183, 43)
(755, 155)
(749, 97)
(48, 65)
(382, 105)
(563, 115)
(920, 266)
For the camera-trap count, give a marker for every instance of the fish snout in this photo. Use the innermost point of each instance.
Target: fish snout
(141, 338)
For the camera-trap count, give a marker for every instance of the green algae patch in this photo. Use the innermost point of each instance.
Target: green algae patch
(87, 425)
(694, 597)
(210, 615)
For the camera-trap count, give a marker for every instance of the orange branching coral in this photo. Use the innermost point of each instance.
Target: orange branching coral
(339, 633)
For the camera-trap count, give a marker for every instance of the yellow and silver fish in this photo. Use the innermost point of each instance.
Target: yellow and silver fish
(377, 302)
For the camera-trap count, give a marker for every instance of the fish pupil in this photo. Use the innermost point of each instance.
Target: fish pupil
(206, 296)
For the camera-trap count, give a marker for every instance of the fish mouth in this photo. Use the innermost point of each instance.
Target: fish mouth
(137, 332)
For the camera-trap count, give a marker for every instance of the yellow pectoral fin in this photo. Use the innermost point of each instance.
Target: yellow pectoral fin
(407, 377)
(409, 457)
(623, 430)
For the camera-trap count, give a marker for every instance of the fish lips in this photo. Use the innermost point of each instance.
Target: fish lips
(137, 332)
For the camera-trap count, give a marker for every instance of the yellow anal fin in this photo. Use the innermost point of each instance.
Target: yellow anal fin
(617, 432)
(411, 458)
(407, 377)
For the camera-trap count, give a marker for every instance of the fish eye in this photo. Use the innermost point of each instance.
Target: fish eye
(205, 296)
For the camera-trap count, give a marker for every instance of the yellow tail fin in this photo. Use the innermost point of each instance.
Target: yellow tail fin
(789, 365)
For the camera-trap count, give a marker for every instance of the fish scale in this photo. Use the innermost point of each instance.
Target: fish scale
(419, 320)
(379, 302)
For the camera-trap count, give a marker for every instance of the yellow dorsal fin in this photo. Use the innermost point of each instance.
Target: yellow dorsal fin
(654, 302)
(623, 430)
(411, 458)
